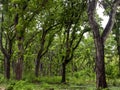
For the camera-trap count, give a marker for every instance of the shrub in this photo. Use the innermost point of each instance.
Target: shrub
(20, 85)
(1, 78)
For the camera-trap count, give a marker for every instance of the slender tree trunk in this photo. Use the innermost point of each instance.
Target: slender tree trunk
(13, 64)
(117, 33)
(64, 72)
(19, 63)
(7, 67)
(37, 66)
(118, 48)
(6, 53)
(41, 68)
(40, 53)
(100, 67)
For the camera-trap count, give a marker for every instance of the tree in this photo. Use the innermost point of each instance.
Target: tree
(7, 35)
(99, 39)
(72, 23)
(117, 36)
(49, 26)
(25, 13)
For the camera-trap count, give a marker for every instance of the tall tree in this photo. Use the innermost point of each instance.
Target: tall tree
(25, 12)
(49, 27)
(99, 39)
(7, 35)
(117, 35)
(72, 20)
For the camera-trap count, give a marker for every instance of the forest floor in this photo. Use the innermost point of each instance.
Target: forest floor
(2, 87)
(62, 87)
(53, 83)
(48, 86)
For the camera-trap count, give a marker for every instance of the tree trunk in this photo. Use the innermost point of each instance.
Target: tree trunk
(117, 33)
(40, 53)
(7, 67)
(100, 67)
(19, 64)
(64, 72)
(118, 48)
(19, 70)
(41, 68)
(37, 66)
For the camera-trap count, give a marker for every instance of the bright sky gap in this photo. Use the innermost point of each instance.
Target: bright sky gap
(104, 18)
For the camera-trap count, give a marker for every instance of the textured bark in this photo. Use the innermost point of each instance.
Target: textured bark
(111, 20)
(117, 33)
(7, 68)
(7, 51)
(19, 63)
(43, 49)
(100, 39)
(69, 41)
(100, 67)
(20, 53)
(37, 65)
(67, 53)
(64, 73)
(40, 53)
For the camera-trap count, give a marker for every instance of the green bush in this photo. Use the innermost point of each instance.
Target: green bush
(2, 79)
(20, 85)
(52, 80)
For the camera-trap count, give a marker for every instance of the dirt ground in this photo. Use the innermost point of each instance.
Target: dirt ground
(2, 88)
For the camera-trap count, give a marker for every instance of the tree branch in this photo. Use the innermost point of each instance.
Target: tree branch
(111, 20)
(92, 21)
(80, 38)
(1, 43)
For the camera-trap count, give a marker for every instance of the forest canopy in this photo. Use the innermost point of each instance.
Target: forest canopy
(59, 42)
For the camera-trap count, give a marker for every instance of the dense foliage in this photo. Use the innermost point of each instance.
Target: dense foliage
(59, 44)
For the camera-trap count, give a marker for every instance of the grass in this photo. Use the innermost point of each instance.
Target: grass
(53, 86)
(74, 82)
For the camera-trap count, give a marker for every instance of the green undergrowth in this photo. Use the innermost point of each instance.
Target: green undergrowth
(76, 81)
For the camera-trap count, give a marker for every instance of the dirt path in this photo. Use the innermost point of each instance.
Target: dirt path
(2, 88)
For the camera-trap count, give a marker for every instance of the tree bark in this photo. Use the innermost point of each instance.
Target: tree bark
(100, 67)
(37, 65)
(99, 46)
(19, 63)
(40, 53)
(7, 51)
(100, 39)
(118, 45)
(117, 39)
(63, 73)
(7, 67)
